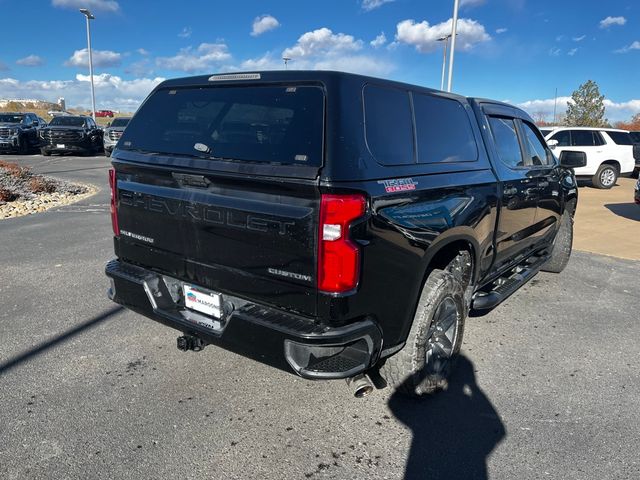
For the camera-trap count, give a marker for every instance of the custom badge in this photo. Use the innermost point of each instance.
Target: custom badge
(398, 185)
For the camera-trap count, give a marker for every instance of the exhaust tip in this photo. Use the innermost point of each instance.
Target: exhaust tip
(361, 385)
(363, 391)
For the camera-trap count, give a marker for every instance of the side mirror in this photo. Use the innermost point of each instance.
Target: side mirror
(552, 143)
(573, 159)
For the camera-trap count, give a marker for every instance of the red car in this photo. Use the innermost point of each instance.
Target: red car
(104, 113)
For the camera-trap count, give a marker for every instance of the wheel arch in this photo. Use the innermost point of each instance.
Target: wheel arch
(447, 246)
(613, 163)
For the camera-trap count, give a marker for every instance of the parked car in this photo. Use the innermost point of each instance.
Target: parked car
(19, 132)
(104, 113)
(330, 224)
(609, 152)
(113, 132)
(71, 134)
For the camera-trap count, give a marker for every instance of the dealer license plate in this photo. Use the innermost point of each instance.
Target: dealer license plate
(202, 300)
(60, 145)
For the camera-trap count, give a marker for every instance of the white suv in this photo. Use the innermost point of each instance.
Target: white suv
(609, 152)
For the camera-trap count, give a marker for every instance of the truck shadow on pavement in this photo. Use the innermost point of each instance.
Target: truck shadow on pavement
(630, 210)
(454, 432)
(15, 361)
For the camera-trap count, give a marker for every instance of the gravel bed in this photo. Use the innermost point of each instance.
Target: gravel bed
(23, 192)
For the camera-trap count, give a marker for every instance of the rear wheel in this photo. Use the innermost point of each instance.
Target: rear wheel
(605, 177)
(425, 363)
(562, 246)
(45, 152)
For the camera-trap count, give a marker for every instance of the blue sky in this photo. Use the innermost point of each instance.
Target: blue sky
(515, 50)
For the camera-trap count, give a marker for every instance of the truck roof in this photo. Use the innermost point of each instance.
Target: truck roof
(324, 76)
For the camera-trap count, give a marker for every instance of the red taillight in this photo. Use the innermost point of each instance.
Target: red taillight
(338, 257)
(113, 184)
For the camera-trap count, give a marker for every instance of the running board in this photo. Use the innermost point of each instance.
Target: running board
(505, 286)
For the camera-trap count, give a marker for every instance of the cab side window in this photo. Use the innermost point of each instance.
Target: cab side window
(388, 125)
(538, 154)
(506, 139)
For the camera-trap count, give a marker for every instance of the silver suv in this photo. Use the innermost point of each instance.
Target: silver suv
(113, 133)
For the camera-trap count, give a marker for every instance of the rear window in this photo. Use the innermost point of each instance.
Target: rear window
(282, 125)
(621, 138)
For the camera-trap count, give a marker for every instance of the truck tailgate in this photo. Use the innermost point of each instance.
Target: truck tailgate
(252, 237)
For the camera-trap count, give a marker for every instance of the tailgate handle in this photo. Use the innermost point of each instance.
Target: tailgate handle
(191, 180)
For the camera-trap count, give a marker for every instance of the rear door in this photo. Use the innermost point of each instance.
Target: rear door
(519, 188)
(218, 186)
(546, 175)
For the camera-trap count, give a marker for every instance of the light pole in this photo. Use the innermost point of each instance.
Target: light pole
(454, 28)
(286, 61)
(90, 16)
(444, 39)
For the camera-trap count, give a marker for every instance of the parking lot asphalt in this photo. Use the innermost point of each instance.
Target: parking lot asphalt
(547, 386)
(608, 221)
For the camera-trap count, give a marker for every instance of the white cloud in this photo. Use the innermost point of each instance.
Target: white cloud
(201, 59)
(266, 62)
(322, 42)
(579, 39)
(614, 111)
(263, 24)
(104, 5)
(369, 5)
(379, 40)
(634, 46)
(471, 3)
(101, 58)
(609, 21)
(186, 32)
(142, 51)
(555, 52)
(572, 52)
(111, 91)
(425, 37)
(30, 61)
(324, 50)
(501, 30)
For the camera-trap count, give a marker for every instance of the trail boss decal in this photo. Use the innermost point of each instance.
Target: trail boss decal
(398, 185)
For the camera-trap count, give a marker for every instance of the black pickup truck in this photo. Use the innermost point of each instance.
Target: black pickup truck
(334, 225)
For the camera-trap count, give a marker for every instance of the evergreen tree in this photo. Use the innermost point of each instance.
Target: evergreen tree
(586, 108)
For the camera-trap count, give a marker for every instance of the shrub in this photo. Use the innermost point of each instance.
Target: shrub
(7, 195)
